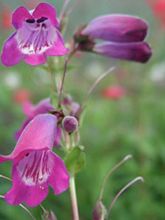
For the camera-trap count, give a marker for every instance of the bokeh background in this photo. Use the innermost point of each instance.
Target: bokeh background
(129, 121)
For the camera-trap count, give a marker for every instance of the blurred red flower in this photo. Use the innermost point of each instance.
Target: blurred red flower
(21, 96)
(5, 17)
(114, 92)
(158, 8)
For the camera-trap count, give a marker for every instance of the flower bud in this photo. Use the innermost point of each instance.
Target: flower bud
(70, 124)
(116, 28)
(99, 211)
(139, 51)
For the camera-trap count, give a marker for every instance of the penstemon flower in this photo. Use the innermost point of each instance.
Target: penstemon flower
(122, 35)
(35, 166)
(36, 37)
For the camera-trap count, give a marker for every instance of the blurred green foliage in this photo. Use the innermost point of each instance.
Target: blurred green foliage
(110, 130)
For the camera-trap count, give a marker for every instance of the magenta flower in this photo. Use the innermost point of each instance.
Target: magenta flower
(122, 35)
(36, 37)
(35, 166)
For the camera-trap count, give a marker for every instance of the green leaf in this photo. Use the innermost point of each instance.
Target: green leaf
(75, 160)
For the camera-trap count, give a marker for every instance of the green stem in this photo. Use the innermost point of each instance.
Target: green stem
(126, 158)
(64, 76)
(73, 198)
(53, 85)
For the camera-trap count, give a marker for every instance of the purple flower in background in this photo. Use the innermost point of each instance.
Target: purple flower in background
(122, 35)
(31, 111)
(36, 37)
(45, 106)
(35, 166)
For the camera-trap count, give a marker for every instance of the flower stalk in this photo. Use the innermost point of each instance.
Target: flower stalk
(73, 197)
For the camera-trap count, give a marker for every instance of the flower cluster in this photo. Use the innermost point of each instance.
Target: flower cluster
(35, 166)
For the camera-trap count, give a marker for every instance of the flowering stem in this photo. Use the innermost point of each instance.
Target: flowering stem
(73, 197)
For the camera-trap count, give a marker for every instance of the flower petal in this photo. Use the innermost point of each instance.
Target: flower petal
(59, 178)
(35, 59)
(139, 52)
(58, 49)
(117, 28)
(11, 55)
(46, 10)
(37, 135)
(31, 195)
(23, 126)
(20, 15)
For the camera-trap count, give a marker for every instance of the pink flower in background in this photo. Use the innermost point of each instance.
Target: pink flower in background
(36, 37)
(114, 92)
(35, 166)
(122, 37)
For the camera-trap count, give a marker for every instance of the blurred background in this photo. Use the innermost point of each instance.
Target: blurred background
(125, 115)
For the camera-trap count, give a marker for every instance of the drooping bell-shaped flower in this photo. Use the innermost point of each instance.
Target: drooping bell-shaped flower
(36, 37)
(121, 36)
(35, 166)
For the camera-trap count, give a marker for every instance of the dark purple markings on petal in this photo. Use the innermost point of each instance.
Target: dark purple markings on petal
(35, 167)
(30, 21)
(42, 19)
(36, 38)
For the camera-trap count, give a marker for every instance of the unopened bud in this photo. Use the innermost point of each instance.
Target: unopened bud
(99, 211)
(70, 124)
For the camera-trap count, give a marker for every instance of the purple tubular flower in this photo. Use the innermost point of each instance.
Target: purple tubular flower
(117, 28)
(35, 166)
(36, 37)
(139, 51)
